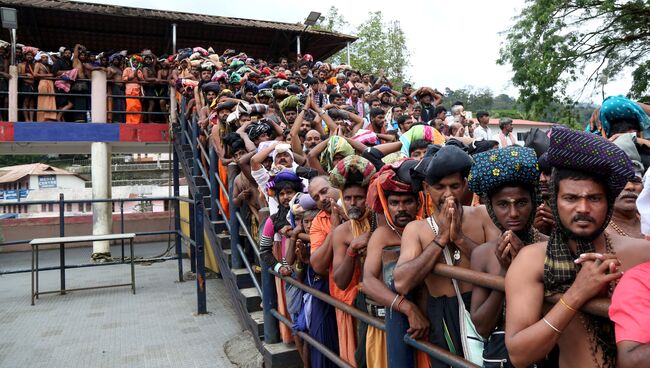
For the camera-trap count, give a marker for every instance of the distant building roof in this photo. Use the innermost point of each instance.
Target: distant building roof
(10, 174)
(49, 24)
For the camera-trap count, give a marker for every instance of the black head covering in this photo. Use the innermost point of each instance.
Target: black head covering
(448, 160)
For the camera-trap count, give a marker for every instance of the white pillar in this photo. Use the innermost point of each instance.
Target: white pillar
(173, 107)
(13, 93)
(101, 167)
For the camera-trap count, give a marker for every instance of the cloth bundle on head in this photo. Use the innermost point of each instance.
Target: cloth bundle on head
(627, 142)
(394, 178)
(281, 148)
(256, 130)
(265, 92)
(448, 160)
(594, 155)
(41, 54)
(496, 168)
(417, 132)
(367, 137)
(211, 87)
(250, 87)
(619, 108)
(236, 64)
(234, 78)
(227, 105)
(589, 153)
(30, 49)
(220, 75)
(352, 169)
(280, 176)
(282, 84)
(335, 145)
(259, 109)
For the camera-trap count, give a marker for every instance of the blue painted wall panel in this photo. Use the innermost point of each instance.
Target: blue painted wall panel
(66, 132)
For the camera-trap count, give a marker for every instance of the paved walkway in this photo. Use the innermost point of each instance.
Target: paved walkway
(157, 327)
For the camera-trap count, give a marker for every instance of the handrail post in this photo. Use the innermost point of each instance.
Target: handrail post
(200, 258)
(192, 236)
(196, 154)
(177, 214)
(61, 245)
(216, 189)
(122, 226)
(183, 123)
(234, 234)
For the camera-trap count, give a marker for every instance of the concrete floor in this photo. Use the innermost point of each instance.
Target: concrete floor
(157, 327)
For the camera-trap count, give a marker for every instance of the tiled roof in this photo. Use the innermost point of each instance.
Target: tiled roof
(10, 174)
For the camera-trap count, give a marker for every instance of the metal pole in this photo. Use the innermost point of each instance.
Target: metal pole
(348, 50)
(122, 226)
(173, 38)
(192, 237)
(13, 46)
(298, 44)
(13, 94)
(200, 258)
(61, 245)
(234, 234)
(216, 189)
(177, 216)
(196, 154)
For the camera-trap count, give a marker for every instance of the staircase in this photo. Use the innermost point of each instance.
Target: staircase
(240, 281)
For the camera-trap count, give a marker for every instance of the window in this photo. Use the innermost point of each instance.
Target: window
(43, 207)
(50, 207)
(521, 136)
(89, 207)
(80, 207)
(68, 207)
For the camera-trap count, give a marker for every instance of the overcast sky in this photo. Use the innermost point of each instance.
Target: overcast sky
(452, 43)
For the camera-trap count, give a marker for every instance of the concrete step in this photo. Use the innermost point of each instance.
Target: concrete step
(252, 299)
(204, 190)
(243, 278)
(228, 254)
(281, 355)
(219, 226)
(224, 240)
(257, 321)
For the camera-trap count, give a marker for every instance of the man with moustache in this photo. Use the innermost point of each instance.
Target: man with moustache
(579, 261)
(320, 237)
(454, 229)
(390, 193)
(349, 240)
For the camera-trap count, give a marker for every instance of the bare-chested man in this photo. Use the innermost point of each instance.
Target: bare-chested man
(578, 261)
(506, 179)
(114, 74)
(625, 219)
(349, 240)
(400, 205)
(459, 230)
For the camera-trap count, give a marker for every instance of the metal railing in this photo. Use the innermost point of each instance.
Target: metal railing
(200, 155)
(83, 115)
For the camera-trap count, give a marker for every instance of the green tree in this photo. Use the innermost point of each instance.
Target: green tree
(555, 42)
(333, 21)
(381, 46)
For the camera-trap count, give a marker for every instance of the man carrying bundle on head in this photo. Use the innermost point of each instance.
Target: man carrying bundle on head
(507, 179)
(452, 232)
(390, 194)
(579, 261)
(351, 177)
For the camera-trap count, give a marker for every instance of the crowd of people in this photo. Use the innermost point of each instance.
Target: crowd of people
(360, 189)
(55, 86)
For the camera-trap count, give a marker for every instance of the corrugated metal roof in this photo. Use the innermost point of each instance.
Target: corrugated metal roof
(49, 24)
(122, 11)
(10, 174)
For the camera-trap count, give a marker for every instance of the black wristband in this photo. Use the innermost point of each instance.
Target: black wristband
(434, 241)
